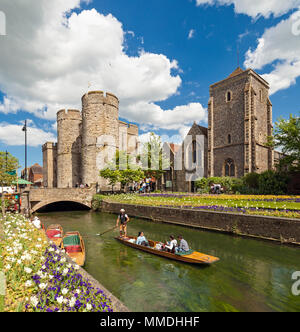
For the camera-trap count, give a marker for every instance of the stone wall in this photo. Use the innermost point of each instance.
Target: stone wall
(268, 228)
(38, 198)
(68, 148)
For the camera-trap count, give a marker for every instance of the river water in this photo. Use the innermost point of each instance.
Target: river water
(252, 275)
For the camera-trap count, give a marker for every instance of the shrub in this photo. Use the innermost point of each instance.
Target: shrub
(273, 183)
(251, 180)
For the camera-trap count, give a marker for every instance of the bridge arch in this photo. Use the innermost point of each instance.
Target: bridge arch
(44, 204)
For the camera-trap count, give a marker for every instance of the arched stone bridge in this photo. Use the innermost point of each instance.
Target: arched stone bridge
(35, 199)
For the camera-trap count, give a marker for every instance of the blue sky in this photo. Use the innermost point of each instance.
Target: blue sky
(51, 53)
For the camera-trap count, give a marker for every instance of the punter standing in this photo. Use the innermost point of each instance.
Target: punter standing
(123, 219)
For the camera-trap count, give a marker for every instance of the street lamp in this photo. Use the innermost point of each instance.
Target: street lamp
(25, 130)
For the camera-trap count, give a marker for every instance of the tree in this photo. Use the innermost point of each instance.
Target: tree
(122, 170)
(287, 136)
(154, 160)
(113, 176)
(8, 173)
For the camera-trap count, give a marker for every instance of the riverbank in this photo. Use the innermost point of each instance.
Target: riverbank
(40, 277)
(281, 230)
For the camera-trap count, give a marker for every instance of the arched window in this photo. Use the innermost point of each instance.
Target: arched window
(194, 152)
(229, 139)
(228, 96)
(229, 168)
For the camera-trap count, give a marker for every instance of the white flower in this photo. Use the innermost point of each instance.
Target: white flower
(7, 267)
(76, 267)
(27, 270)
(34, 301)
(65, 272)
(65, 291)
(88, 307)
(43, 286)
(63, 260)
(78, 291)
(72, 302)
(28, 283)
(60, 299)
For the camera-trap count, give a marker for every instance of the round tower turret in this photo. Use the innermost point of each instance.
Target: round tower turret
(68, 148)
(100, 120)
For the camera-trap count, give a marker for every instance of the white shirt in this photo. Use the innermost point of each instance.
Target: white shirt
(173, 244)
(37, 223)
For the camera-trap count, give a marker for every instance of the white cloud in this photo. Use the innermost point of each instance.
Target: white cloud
(255, 8)
(51, 54)
(175, 119)
(12, 135)
(280, 46)
(191, 34)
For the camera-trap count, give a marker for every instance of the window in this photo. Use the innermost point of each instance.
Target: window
(260, 96)
(194, 152)
(229, 139)
(228, 96)
(229, 168)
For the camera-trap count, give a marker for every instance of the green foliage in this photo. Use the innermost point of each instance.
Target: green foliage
(153, 159)
(122, 170)
(273, 183)
(287, 136)
(251, 180)
(8, 163)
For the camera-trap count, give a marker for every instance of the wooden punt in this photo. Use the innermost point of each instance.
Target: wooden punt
(56, 240)
(193, 258)
(77, 255)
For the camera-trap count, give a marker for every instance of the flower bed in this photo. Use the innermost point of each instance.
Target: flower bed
(278, 206)
(39, 277)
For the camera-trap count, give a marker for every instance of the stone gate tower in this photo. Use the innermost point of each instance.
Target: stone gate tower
(68, 148)
(100, 132)
(85, 142)
(239, 122)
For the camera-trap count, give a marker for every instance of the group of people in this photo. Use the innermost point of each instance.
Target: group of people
(143, 187)
(169, 246)
(81, 186)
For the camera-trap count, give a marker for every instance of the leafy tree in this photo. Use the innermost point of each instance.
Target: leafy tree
(287, 136)
(154, 160)
(8, 173)
(122, 170)
(113, 176)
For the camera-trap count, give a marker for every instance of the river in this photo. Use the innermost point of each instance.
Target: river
(252, 275)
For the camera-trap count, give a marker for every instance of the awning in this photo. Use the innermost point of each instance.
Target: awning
(22, 181)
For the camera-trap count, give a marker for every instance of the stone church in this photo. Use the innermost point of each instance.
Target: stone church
(83, 138)
(234, 144)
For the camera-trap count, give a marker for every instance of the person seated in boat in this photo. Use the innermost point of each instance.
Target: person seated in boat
(183, 245)
(123, 219)
(171, 245)
(141, 240)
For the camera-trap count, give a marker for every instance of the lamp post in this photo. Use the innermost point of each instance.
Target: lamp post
(25, 130)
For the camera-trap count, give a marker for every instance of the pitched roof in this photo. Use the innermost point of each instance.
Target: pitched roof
(238, 71)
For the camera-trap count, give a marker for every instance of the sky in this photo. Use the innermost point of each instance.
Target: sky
(159, 58)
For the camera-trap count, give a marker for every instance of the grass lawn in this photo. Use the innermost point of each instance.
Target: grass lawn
(279, 206)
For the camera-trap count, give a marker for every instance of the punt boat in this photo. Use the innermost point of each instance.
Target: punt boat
(55, 234)
(74, 247)
(191, 257)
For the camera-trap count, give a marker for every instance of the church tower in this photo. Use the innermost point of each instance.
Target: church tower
(239, 122)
